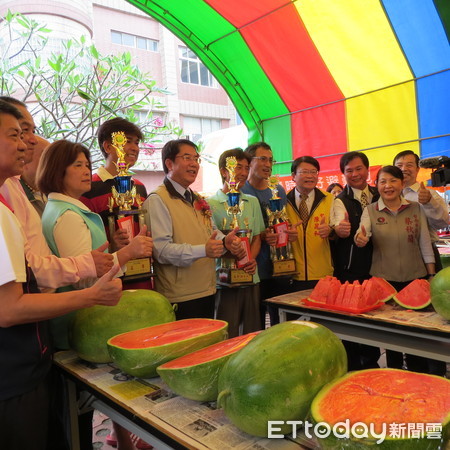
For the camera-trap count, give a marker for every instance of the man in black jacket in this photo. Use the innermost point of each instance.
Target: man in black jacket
(351, 262)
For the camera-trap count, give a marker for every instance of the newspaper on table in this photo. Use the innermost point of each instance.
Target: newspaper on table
(153, 401)
(393, 313)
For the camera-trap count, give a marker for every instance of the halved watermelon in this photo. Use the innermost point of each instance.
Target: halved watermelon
(140, 352)
(383, 399)
(195, 375)
(416, 295)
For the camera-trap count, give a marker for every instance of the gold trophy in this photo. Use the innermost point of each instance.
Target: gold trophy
(281, 254)
(120, 204)
(230, 272)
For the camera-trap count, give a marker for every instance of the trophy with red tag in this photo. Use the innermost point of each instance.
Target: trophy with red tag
(281, 254)
(230, 272)
(121, 211)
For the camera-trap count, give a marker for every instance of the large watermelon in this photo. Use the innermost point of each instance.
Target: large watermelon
(92, 327)
(140, 352)
(414, 296)
(440, 293)
(277, 374)
(382, 398)
(195, 375)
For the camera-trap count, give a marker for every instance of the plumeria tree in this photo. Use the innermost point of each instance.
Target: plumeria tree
(72, 90)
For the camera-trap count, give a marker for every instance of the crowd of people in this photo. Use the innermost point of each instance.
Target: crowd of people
(58, 254)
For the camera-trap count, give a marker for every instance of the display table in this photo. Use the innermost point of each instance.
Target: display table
(150, 410)
(422, 333)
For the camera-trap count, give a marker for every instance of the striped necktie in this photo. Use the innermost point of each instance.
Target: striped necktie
(187, 196)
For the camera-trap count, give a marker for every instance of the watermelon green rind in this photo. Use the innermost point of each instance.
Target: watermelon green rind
(92, 327)
(198, 380)
(440, 293)
(142, 362)
(276, 376)
(399, 404)
(388, 290)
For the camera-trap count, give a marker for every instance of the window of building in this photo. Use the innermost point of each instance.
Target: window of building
(193, 71)
(196, 127)
(117, 37)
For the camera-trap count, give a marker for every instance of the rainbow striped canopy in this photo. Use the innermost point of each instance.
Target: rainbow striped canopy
(323, 77)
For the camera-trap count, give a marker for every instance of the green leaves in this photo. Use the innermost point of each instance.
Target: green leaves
(77, 88)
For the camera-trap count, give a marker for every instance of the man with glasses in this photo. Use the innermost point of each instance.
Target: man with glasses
(311, 206)
(257, 185)
(433, 204)
(185, 243)
(436, 211)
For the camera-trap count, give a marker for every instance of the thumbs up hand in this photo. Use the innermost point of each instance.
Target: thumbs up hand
(103, 261)
(323, 229)
(361, 238)
(141, 245)
(344, 227)
(234, 244)
(214, 247)
(292, 231)
(108, 290)
(424, 195)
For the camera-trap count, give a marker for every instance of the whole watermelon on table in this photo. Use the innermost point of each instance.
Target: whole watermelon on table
(440, 293)
(277, 375)
(92, 327)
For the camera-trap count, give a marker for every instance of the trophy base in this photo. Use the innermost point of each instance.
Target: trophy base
(284, 267)
(138, 270)
(233, 277)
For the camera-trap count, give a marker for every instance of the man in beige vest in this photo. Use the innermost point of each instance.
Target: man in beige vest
(185, 243)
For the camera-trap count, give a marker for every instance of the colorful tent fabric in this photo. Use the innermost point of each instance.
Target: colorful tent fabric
(323, 77)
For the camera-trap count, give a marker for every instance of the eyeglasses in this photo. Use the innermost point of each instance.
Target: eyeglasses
(265, 159)
(190, 158)
(307, 172)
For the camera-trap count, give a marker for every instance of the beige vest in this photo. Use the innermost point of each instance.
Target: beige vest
(396, 249)
(180, 284)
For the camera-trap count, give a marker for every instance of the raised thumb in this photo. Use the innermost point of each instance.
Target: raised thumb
(111, 274)
(143, 230)
(363, 230)
(422, 186)
(346, 216)
(322, 221)
(103, 247)
(214, 234)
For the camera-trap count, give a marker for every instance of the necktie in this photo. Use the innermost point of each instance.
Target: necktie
(187, 196)
(303, 210)
(364, 200)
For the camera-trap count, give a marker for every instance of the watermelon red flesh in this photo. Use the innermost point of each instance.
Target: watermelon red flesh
(333, 290)
(384, 288)
(140, 352)
(416, 295)
(195, 375)
(384, 396)
(320, 291)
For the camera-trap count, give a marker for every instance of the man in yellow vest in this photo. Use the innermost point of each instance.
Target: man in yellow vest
(311, 206)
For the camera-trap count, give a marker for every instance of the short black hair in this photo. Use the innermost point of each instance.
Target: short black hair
(350, 156)
(304, 159)
(406, 153)
(391, 170)
(111, 126)
(251, 149)
(238, 153)
(171, 150)
(332, 186)
(9, 108)
(12, 101)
